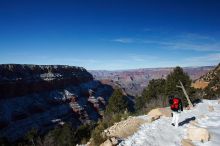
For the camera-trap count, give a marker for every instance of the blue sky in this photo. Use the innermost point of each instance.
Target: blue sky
(110, 34)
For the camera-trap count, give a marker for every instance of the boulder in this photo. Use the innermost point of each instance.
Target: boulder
(196, 133)
(186, 142)
(211, 108)
(124, 128)
(166, 112)
(107, 143)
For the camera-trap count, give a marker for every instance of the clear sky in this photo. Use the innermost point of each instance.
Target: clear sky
(110, 34)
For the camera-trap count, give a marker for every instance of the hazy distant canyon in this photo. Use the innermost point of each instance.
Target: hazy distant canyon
(134, 81)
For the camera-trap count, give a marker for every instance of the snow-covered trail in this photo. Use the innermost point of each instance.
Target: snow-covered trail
(162, 133)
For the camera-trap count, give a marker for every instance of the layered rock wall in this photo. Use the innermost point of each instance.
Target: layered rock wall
(43, 96)
(18, 80)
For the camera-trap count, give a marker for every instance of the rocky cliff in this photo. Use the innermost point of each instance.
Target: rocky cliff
(18, 80)
(42, 96)
(210, 82)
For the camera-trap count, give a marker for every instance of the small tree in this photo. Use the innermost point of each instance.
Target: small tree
(173, 79)
(140, 102)
(117, 103)
(155, 88)
(83, 133)
(31, 135)
(60, 136)
(153, 92)
(97, 133)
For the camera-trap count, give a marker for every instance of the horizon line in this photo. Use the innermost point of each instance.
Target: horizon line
(117, 70)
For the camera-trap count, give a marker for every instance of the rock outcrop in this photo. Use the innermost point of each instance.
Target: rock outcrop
(19, 80)
(209, 79)
(42, 96)
(166, 112)
(200, 84)
(124, 128)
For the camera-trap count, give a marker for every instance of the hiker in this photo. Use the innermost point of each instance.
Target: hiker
(176, 107)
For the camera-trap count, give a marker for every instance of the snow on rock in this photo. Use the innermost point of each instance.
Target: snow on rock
(196, 133)
(162, 133)
(160, 112)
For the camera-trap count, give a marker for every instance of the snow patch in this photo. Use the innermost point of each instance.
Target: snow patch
(161, 132)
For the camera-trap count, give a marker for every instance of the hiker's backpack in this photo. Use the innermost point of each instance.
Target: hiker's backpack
(175, 105)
